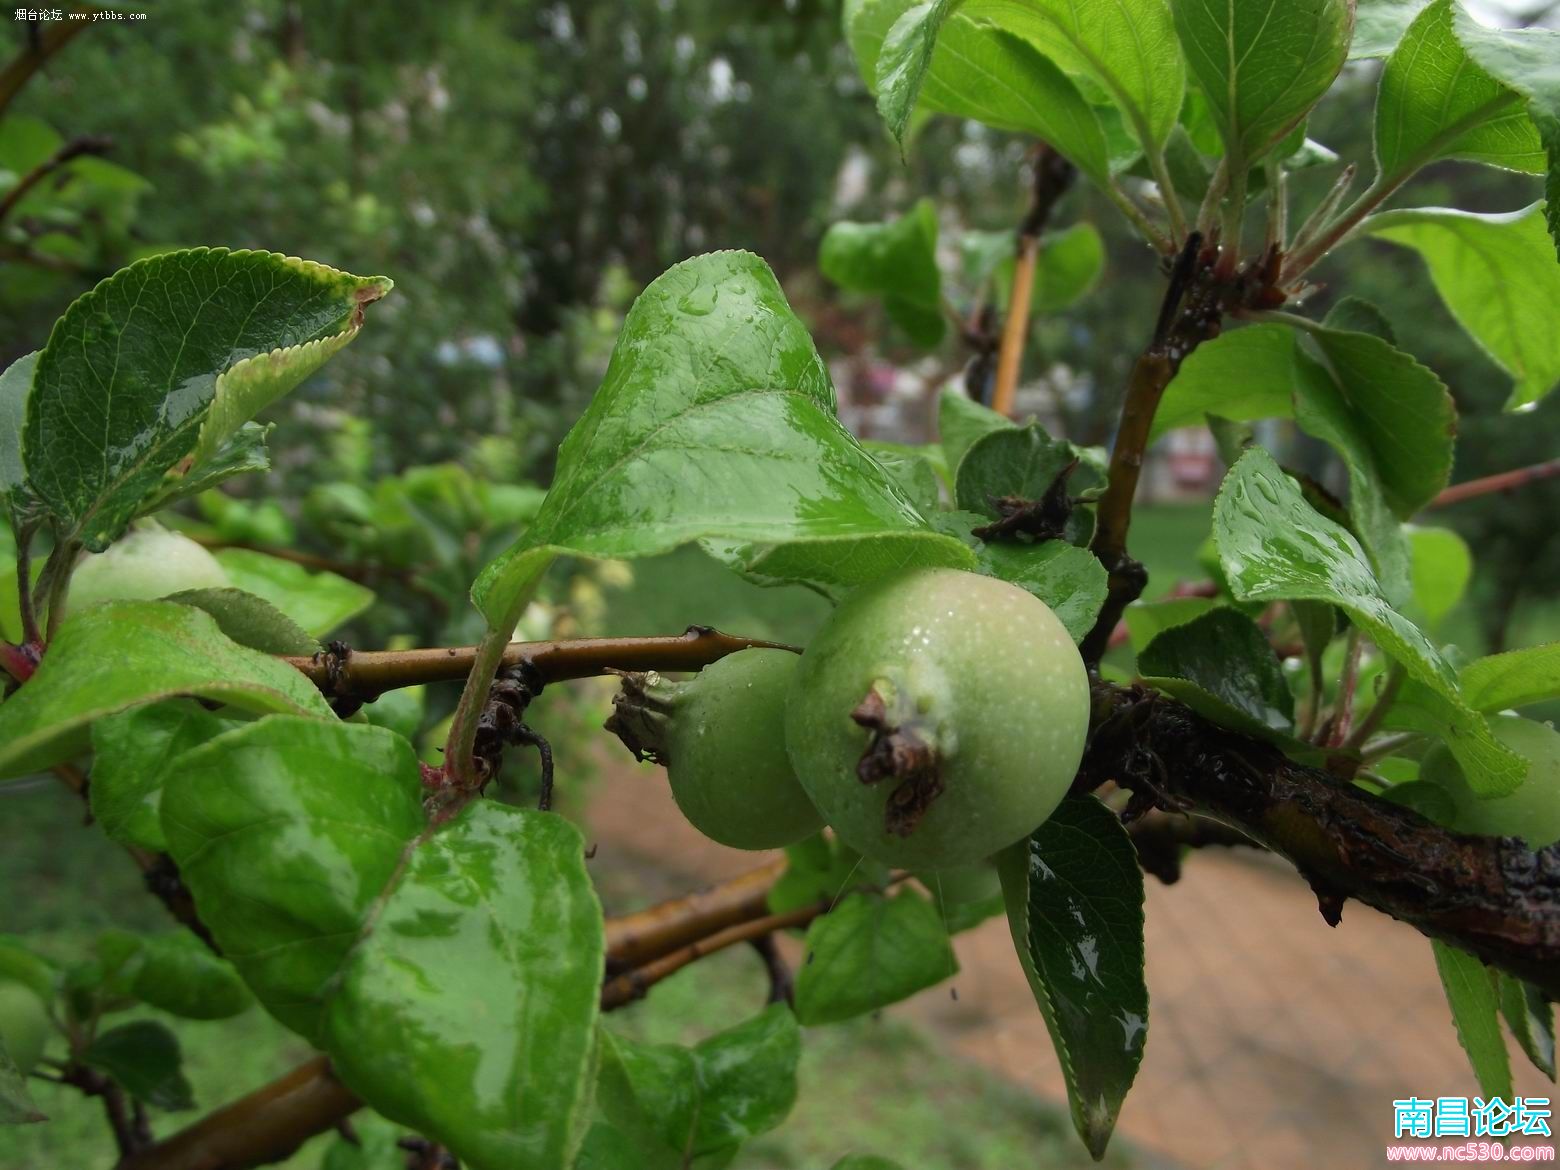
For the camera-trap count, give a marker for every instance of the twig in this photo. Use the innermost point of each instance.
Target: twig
(634, 939)
(35, 52)
(1343, 710)
(75, 148)
(1053, 175)
(782, 987)
(1383, 704)
(94, 1084)
(1501, 482)
(366, 674)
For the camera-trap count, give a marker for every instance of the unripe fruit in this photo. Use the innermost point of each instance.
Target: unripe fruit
(721, 736)
(938, 717)
(146, 564)
(1532, 812)
(24, 1025)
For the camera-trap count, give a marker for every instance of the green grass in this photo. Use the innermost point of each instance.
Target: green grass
(869, 1086)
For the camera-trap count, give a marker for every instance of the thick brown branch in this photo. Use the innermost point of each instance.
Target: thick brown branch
(366, 674)
(1490, 896)
(635, 939)
(1489, 484)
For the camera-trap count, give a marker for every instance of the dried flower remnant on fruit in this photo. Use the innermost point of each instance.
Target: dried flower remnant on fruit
(898, 751)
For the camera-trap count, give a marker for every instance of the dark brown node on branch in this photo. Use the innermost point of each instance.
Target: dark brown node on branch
(163, 881)
(335, 661)
(502, 723)
(1034, 521)
(898, 751)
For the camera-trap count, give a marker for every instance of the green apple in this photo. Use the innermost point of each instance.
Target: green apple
(148, 563)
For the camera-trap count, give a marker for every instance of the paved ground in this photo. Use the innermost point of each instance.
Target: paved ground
(1275, 1042)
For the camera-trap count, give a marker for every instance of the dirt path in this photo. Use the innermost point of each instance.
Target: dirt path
(1275, 1042)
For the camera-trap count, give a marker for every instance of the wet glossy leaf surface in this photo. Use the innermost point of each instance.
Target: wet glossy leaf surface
(1024, 463)
(1479, 263)
(868, 952)
(1067, 578)
(428, 961)
(131, 751)
(1074, 898)
(113, 406)
(716, 420)
(714, 1096)
(1222, 665)
(1274, 547)
(159, 650)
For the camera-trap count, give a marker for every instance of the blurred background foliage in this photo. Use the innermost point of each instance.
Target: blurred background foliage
(523, 169)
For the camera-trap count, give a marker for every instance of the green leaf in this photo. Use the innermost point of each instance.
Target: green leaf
(1440, 567)
(912, 470)
(1222, 666)
(1262, 64)
(1470, 992)
(452, 971)
(15, 386)
(318, 602)
(868, 952)
(240, 453)
(114, 407)
(1128, 48)
(144, 1057)
(961, 422)
(131, 754)
(181, 975)
(1075, 908)
(1387, 416)
(1528, 60)
(1067, 267)
(1243, 374)
(1024, 463)
(1435, 102)
(376, 1146)
(1513, 679)
(1067, 578)
(1531, 1019)
(820, 869)
(19, 964)
(979, 71)
(250, 620)
(1379, 26)
(730, 1087)
(1498, 276)
(127, 653)
(16, 1104)
(865, 1162)
(1357, 315)
(1274, 547)
(905, 57)
(1146, 620)
(896, 261)
(716, 420)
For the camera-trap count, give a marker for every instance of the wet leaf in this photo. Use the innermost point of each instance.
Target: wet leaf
(113, 407)
(896, 261)
(317, 601)
(1531, 1019)
(1221, 665)
(451, 971)
(1074, 898)
(145, 1058)
(1274, 547)
(1516, 678)
(159, 650)
(868, 952)
(961, 422)
(253, 621)
(131, 754)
